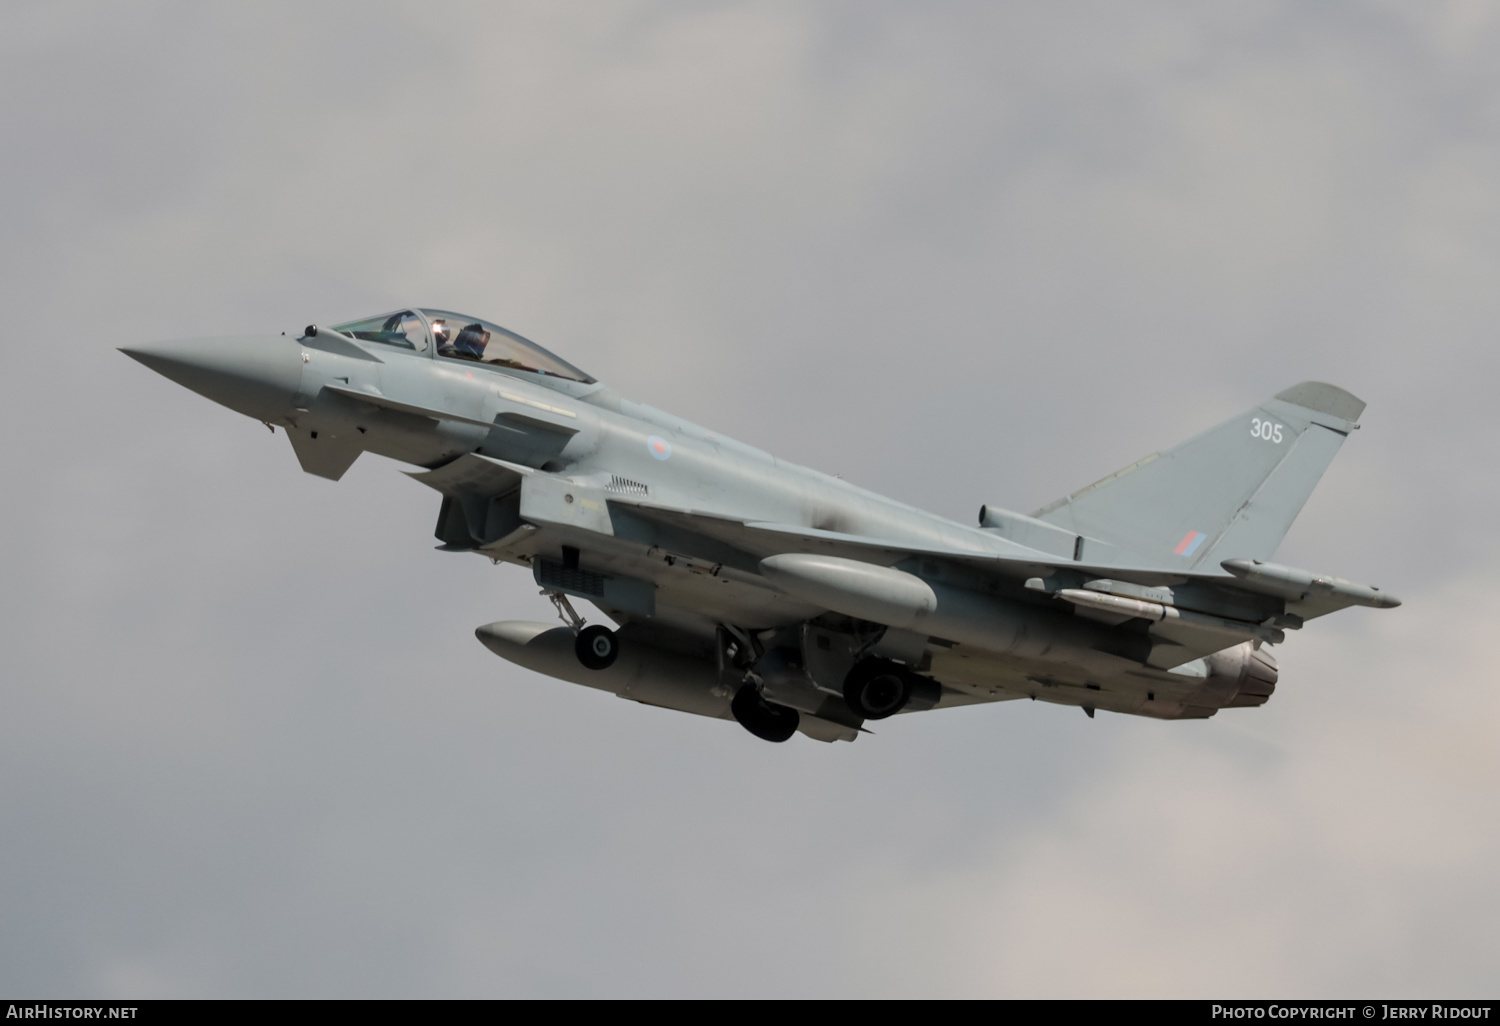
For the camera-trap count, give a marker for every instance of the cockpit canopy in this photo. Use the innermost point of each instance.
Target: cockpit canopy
(462, 337)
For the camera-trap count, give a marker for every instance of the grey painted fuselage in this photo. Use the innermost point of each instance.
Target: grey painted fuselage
(687, 538)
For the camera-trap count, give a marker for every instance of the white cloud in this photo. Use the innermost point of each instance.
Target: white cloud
(961, 254)
(1339, 841)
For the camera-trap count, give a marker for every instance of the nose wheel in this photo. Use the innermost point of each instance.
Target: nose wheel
(596, 647)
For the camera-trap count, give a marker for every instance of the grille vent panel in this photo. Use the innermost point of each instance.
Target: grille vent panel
(625, 486)
(579, 582)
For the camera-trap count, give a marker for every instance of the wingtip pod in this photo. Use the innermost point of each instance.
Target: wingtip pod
(1322, 397)
(1291, 582)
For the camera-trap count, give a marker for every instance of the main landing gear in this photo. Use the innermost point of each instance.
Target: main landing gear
(877, 688)
(766, 720)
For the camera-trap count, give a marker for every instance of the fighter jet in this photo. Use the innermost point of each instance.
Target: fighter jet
(734, 585)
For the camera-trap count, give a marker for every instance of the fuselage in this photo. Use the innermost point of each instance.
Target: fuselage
(607, 447)
(611, 437)
(716, 557)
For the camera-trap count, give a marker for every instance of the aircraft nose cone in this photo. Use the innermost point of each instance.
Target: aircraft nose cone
(256, 375)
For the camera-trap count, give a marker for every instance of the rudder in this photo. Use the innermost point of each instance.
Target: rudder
(1231, 492)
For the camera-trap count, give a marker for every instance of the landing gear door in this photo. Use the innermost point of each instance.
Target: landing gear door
(828, 656)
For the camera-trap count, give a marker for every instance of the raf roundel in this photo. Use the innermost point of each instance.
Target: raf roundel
(659, 447)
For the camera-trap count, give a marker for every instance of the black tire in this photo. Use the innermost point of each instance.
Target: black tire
(766, 720)
(877, 688)
(596, 647)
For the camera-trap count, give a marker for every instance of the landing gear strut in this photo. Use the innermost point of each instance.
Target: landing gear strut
(596, 647)
(766, 720)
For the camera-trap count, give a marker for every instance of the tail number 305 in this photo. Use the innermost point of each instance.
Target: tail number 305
(1266, 429)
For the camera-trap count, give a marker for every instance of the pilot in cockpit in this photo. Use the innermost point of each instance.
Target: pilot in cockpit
(471, 341)
(467, 344)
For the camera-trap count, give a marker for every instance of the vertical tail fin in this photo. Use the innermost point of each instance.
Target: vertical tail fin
(1231, 492)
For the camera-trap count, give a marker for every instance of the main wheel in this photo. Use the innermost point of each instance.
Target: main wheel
(877, 688)
(766, 720)
(596, 646)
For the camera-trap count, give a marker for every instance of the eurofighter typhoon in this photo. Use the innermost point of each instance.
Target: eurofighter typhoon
(743, 587)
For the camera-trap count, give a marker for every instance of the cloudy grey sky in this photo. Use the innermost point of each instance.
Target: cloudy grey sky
(958, 253)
